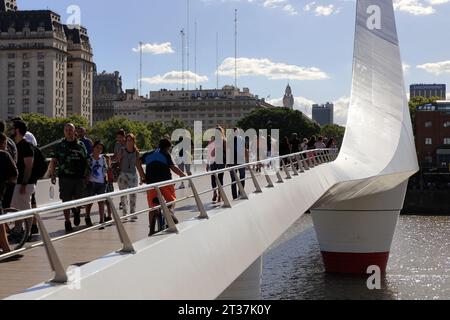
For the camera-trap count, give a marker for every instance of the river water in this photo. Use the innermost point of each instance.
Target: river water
(419, 267)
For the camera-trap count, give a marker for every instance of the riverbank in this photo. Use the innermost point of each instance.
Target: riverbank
(427, 203)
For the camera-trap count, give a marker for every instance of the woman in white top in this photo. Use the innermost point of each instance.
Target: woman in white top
(97, 181)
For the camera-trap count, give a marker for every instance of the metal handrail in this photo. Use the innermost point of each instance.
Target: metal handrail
(291, 161)
(12, 217)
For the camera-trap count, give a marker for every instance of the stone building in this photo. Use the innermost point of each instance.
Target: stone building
(225, 106)
(107, 90)
(45, 66)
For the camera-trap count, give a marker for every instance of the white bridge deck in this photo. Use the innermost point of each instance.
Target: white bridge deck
(16, 277)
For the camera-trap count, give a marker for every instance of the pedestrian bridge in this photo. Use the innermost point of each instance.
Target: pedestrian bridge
(215, 252)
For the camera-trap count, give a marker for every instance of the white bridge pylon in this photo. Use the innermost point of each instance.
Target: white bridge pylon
(356, 199)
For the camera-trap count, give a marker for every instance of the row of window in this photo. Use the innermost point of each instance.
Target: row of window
(429, 141)
(25, 101)
(25, 74)
(26, 55)
(25, 83)
(429, 124)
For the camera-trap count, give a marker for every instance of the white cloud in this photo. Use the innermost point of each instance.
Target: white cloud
(414, 7)
(156, 48)
(176, 77)
(436, 68)
(290, 9)
(305, 105)
(326, 10)
(269, 69)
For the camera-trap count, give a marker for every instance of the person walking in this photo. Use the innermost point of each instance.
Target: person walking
(240, 157)
(185, 159)
(8, 174)
(159, 165)
(128, 178)
(9, 185)
(320, 144)
(97, 182)
(70, 163)
(215, 162)
(28, 135)
(26, 181)
(82, 136)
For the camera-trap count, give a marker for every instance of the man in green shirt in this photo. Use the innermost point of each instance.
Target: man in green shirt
(70, 164)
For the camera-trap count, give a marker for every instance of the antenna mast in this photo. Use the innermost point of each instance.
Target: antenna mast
(235, 46)
(217, 60)
(195, 55)
(188, 40)
(140, 67)
(182, 34)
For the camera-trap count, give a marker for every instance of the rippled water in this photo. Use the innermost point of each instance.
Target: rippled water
(419, 267)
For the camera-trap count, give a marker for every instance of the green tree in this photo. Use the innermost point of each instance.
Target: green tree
(106, 132)
(418, 101)
(48, 130)
(286, 120)
(333, 131)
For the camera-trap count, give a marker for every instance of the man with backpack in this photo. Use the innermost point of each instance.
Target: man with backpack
(26, 181)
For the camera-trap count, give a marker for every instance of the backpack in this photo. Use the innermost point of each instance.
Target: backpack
(40, 165)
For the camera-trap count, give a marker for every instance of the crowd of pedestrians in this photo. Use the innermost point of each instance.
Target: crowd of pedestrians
(82, 169)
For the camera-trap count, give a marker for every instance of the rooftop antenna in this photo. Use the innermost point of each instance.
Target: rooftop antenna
(195, 55)
(140, 67)
(183, 40)
(235, 46)
(217, 60)
(188, 40)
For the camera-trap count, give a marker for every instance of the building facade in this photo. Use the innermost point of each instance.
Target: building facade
(107, 90)
(428, 91)
(80, 73)
(35, 50)
(432, 126)
(226, 106)
(8, 5)
(323, 114)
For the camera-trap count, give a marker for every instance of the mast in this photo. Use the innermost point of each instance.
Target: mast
(140, 67)
(235, 46)
(183, 38)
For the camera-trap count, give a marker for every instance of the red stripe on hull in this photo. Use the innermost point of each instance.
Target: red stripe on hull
(354, 263)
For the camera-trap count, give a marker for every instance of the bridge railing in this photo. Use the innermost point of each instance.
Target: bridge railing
(275, 170)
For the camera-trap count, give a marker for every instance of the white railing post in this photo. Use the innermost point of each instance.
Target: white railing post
(294, 165)
(166, 212)
(241, 188)
(255, 181)
(198, 201)
(223, 195)
(52, 255)
(123, 235)
(268, 179)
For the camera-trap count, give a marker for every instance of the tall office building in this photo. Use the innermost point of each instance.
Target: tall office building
(323, 114)
(428, 91)
(35, 49)
(80, 73)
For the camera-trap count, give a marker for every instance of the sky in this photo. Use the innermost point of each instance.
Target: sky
(308, 44)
